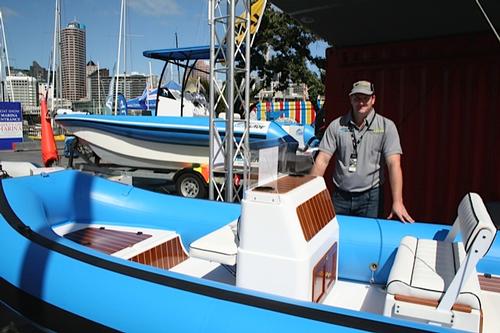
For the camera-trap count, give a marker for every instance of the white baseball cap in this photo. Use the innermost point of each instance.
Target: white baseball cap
(362, 87)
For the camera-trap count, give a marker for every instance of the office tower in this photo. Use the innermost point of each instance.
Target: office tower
(73, 54)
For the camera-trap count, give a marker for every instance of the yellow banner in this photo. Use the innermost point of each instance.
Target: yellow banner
(256, 13)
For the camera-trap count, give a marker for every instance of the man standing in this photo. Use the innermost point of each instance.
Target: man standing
(363, 142)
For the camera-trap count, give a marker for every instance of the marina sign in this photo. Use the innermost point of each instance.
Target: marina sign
(11, 124)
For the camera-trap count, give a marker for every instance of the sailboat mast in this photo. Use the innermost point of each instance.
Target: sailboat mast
(125, 49)
(59, 80)
(150, 85)
(6, 57)
(51, 83)
(118, 57)
(178, 70)
(98, 88)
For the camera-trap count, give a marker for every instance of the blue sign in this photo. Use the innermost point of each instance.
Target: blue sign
(122, 105)
(11, 124)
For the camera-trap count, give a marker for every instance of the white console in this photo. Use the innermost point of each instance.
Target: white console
(288, 239)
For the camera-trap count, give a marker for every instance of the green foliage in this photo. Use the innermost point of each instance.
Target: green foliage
(285, 43)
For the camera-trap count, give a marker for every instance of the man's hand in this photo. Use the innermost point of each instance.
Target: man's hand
(399, 210)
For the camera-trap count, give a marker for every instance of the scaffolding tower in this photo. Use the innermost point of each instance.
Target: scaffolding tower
(229, 93)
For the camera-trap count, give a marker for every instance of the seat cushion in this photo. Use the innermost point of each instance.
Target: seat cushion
(424, 268)
(218, 246)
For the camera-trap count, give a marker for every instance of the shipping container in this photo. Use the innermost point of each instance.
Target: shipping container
(444, 96)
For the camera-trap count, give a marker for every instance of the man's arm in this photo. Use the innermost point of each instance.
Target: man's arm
(320, 164)
(396, 180)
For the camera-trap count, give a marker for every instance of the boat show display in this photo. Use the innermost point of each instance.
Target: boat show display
(83, 253)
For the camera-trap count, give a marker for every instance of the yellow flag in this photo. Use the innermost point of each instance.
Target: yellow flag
(256, 13)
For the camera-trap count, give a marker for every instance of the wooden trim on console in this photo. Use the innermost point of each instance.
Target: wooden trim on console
(324, 274)
(431, 302)
(284, 184)
(489, 283)
(106, 240)
(164, 256)
(315, 213)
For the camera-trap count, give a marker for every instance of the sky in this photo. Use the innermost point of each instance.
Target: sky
(150, 24)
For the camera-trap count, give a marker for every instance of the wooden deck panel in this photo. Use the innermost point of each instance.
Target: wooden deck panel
(105, 240)
(164, 256)
(489, 283)
(284, 184)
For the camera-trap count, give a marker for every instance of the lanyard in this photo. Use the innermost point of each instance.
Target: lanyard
(355, 142)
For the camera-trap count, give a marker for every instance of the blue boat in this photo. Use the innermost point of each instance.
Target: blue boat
(173, 139)
(82, 253)
(162, 143)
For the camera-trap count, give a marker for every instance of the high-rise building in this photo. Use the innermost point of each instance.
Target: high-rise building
(73, 56)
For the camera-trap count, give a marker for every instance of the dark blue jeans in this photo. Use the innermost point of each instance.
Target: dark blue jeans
(367, 203)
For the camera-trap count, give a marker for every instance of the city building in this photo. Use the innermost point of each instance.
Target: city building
(73, 59)
(38, 72)
(97, 91)
(133, 85)
(90, 68)
(25, 90)
(94, 91)
(294, 91)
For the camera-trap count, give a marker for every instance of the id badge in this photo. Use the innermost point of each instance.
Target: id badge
(353, 163)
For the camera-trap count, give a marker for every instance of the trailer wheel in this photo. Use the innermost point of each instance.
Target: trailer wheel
(190, 185)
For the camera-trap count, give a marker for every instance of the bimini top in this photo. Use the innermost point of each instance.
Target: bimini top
(182, 53)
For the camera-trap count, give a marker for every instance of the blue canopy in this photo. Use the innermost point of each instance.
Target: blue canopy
(181, 53)
(172, 85)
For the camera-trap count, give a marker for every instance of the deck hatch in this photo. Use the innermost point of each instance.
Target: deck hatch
(106, 240)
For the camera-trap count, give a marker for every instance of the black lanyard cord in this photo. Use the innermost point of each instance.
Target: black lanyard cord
(355, 142)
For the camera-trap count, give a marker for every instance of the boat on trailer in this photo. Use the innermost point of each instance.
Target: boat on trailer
(163, 143)
(111, 256)
(171, 143)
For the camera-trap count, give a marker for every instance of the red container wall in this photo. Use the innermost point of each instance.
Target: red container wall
(444, 96)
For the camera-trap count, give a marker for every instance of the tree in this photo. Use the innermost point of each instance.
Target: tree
(281, 46)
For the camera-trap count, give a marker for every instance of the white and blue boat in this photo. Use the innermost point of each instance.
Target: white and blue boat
(167, 143)
(82, 253)
(172, 138)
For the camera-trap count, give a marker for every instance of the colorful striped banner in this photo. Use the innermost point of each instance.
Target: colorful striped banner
(300, 111)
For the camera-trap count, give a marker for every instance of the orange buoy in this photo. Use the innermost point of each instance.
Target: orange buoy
(48, 143)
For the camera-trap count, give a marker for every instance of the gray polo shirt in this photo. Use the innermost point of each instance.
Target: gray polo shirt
(378, 142)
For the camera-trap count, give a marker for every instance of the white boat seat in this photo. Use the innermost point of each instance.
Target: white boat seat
(442, 273)
(218, 246)
(424, 268)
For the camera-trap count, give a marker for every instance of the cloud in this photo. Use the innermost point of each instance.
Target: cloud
(155, 7)
(7, 12)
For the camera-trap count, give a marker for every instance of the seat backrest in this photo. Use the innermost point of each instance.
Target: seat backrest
(478, 233)
(473, 217)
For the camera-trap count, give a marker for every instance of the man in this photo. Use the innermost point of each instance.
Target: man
(363, 142)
